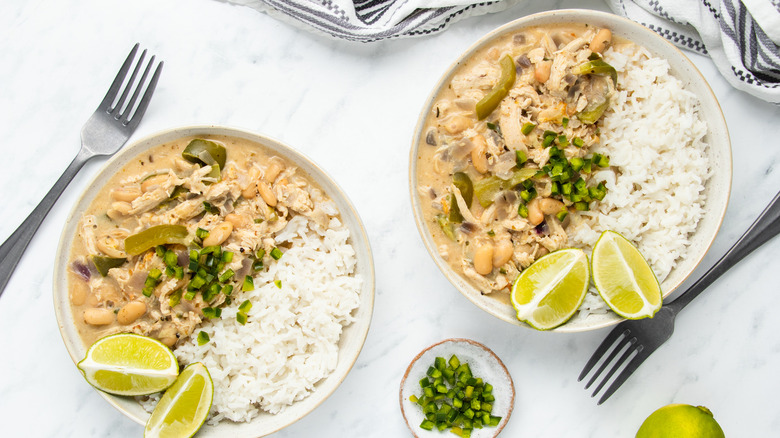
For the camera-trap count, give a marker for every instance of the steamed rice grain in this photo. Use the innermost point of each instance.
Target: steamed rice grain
(654, 135)
(290, 341)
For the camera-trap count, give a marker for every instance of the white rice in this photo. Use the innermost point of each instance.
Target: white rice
(653, 134)
(290, 341)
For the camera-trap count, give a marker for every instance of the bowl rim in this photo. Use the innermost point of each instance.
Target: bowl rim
(358, 237)
(557, 17)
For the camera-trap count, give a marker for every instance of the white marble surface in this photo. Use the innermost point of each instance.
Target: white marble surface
(352, 108)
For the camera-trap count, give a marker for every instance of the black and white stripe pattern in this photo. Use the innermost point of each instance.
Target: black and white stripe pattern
(373, 20)
(744, 47)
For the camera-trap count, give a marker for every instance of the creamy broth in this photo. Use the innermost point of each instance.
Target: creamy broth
(520, 175)
(236, 211)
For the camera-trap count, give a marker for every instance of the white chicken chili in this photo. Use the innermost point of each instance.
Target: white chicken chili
(505, 164)
(180, 231)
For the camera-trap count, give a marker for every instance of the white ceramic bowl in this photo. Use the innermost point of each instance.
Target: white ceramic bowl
(352, 338)
(717, 189)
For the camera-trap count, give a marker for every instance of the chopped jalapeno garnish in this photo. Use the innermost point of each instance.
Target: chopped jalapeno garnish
(452, 398)
(248, 285)
(527, 128)
(276, 253)
(203, 338)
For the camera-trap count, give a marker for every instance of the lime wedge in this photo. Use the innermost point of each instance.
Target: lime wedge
(184, 407)
(549, 292)
(623, 278)
(129, 364)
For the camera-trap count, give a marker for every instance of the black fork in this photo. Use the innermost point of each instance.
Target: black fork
(633, 341)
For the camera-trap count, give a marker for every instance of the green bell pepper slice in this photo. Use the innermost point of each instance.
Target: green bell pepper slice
(499, 92)
(486, 189)
(596, 67)
(103, 263)
(463, 183)
(205, 152)
(158, 235)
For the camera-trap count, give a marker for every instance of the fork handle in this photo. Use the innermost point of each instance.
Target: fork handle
(764, 228)
(12, 249)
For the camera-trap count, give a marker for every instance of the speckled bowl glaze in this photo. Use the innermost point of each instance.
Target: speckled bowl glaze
(352, 338)
(717, 189)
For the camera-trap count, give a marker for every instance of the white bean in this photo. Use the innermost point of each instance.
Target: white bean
(237, 220)
(503, 252)
(130, 312)
(483, 259)
(153, 182)
(127, 194)
(535, 215)
(550, 206)
(457, 124)
(98, 316)
(478, 157)
(542, 71)
(266, 193)
(275, 166)
(601, 41)
(218, 234)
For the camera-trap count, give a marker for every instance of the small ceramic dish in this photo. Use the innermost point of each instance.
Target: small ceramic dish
(483, 363)
(352, 337)
(717, 188)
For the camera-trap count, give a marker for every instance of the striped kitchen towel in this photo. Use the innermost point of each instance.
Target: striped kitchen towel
(741, 37)
(373, 20)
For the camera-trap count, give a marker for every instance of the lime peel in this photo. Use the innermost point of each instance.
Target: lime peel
(113, 364)
(184, 407)
(561, 279)
(623, 277)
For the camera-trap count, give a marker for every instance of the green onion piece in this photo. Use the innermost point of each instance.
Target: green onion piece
(278, 283)
(241, 318)
(203, 338)
(520, 158)
(527, 128)
(276, 253)
(249, 284)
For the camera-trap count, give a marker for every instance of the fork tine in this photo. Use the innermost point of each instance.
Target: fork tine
(626, 340)
(605, 344)
(105, 105)
(642, 354)
(147, 97)
(629, 351)
(129, 109)
(117, 110)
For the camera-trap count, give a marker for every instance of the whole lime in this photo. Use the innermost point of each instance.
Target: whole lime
(680, 421)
